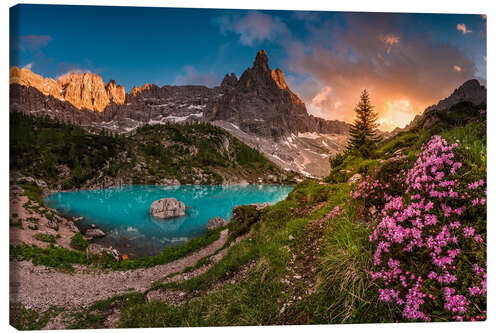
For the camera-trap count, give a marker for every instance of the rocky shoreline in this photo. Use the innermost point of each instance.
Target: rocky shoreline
(90, 234)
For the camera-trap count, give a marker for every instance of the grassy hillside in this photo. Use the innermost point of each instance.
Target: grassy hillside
(341, 252)
(70, 157)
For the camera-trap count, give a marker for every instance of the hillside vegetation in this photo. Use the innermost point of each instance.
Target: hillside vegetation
(406, 241)
(67, 156)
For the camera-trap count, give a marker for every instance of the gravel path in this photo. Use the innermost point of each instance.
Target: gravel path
(40, 287)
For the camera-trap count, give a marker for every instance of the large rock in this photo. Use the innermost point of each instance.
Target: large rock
(94, 232)
(355, 179)
(167, 208)
(216, 222)
(97, 250)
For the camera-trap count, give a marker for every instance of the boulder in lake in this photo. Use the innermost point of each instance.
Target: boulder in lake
(216, 222)
(167, 208)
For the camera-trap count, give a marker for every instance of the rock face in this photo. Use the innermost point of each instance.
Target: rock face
(261, 103)
(167, 208)
(355, 179)
(83, 91)
(94, 232)
(471, 91)
(258, 108)
(97, 250)
(216, 222)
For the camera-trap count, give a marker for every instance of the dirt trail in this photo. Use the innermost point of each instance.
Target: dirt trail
(40, 287)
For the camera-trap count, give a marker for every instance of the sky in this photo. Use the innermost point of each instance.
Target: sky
(406, 61)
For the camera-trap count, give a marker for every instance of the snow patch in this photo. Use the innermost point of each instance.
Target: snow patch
(309, 135)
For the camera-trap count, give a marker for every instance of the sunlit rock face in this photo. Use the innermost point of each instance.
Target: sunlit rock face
(27, 78)
(259, 108)
(88, 91)
(84, 91)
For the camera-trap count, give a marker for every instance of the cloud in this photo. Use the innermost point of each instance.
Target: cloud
(31, 42)
(389, 40)
(401, 83)
(463, 28)
(253, 27)
(191, 76)
(28, 66)
(457, 68)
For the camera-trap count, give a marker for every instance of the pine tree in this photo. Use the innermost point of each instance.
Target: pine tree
(363, 135)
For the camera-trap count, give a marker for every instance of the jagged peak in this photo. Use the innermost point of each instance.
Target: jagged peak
(136, 90)
(85, 90)
(279, 78)
(261, 60)
(229, 80)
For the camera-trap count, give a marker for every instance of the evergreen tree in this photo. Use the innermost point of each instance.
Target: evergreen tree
(363, 135)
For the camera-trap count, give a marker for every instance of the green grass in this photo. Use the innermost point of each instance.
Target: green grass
(256, 299)
(47, 238)
(28, 319)
(64, 259)
(32, 191)
(78, 242)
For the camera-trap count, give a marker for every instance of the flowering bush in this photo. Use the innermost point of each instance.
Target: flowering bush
(429, 241)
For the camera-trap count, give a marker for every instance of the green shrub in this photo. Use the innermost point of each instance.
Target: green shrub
(78, 242)
(45, 238)
(243, 218)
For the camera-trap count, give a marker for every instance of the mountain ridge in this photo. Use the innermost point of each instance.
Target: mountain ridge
(258, 108)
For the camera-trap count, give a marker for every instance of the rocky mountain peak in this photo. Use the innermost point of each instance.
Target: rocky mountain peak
(88, 91)
(470, 91)
(136, 90)
(229, 81)
(260, 77)
(27, 78)
(279, 78)
(261, 61)
(115, 92)
(83, 90)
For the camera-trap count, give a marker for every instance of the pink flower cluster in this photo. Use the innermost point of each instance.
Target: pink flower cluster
(368, 188)
(421, 236)
(335, 212)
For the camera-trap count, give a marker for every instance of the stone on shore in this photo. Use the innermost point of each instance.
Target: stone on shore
(97, 250)
(216, 222)
(94, 232)
(167, 208)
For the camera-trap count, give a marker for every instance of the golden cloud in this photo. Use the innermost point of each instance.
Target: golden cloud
(463, 28)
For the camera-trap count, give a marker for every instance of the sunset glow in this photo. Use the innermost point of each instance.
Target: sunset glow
(407, 62)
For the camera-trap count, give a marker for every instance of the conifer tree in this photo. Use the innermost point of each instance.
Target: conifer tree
(363, 135)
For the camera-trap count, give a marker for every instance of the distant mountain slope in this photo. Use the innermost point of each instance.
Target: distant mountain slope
(66, 156)
(470, 91)
(258, 108)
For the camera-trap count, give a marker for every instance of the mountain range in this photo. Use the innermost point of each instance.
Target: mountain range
(258, 108)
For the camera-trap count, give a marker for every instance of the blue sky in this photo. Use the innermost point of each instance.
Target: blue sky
(405, 60)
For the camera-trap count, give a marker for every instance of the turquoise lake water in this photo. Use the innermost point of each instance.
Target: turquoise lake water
(123, 212)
